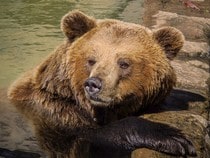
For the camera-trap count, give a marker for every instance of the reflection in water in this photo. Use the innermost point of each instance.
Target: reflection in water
(30, 30)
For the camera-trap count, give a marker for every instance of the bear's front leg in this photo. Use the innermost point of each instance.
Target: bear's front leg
(132, 133)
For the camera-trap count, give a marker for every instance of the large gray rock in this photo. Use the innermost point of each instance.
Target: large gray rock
(192, 27)
(192, 75)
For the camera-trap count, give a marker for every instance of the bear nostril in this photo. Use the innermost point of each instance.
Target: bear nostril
(93, 85)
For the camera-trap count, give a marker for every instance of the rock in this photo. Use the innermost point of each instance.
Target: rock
(198, 64)
(195, 49)
(197, 0)
(206, 31)
(192, 27)
(192, 75)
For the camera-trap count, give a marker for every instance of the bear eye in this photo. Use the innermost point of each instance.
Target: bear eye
(124, 64)
(91, 62)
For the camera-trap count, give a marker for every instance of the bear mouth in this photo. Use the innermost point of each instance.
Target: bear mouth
(96, 100)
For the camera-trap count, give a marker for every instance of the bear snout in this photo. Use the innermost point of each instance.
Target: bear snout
(93, 86)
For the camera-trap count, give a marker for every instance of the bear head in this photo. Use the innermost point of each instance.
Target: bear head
(111, 62)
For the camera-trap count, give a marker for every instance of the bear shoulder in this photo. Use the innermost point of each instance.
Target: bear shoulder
(44, 77)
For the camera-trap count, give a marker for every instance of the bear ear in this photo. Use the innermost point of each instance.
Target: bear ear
(170, 39)
(75, 24)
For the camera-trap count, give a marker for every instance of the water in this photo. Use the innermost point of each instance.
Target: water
(30, 29)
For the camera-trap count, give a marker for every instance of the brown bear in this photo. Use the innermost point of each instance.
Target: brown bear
(88, 92)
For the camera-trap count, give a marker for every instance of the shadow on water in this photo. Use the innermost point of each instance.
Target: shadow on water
(17, 154)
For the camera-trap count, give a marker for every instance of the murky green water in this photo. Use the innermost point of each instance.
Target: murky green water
(29, 29)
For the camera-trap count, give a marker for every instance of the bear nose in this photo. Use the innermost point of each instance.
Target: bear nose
(93, 85)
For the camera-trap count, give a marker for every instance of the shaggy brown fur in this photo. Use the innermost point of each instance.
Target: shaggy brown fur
(130, 60)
